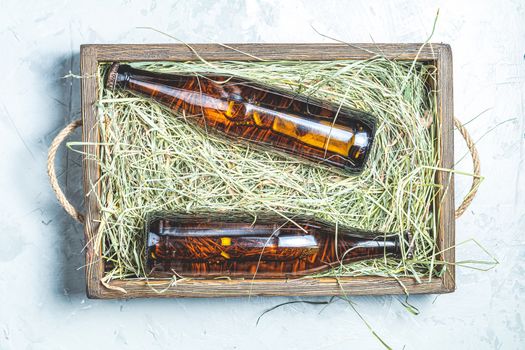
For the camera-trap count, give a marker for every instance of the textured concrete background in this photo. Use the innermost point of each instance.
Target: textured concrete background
(42, 300)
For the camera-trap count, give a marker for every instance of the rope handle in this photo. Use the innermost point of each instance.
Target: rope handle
(75, 214)
(51, 155)
(476, 176)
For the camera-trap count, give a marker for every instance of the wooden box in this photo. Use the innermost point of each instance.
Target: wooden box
(438, 54)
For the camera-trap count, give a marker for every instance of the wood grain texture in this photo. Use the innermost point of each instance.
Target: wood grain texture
(446, 232)
(271, 287)
(90, 134)
(438, 54)
(180, 52)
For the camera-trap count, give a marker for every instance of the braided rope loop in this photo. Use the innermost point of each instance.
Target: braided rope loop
(51, 155)
(476, 178)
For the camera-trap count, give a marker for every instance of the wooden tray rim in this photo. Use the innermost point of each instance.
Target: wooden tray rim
(439, 54)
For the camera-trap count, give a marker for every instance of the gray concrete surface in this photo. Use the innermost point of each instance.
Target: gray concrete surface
(42, 300)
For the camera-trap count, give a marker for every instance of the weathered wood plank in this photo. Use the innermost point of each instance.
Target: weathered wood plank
(301, 287)
(446, 232)
(181, 52)
(90, 134)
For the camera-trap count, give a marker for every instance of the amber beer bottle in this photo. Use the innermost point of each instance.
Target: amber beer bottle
(211, 246)
(242, 109)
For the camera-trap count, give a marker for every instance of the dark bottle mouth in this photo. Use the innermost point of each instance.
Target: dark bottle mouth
(409, 239)
(359, 153)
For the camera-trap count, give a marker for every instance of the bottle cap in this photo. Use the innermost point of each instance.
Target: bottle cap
(112, 74)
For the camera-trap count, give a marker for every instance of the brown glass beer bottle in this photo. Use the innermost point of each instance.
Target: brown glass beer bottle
(272, 247)
(299, 125)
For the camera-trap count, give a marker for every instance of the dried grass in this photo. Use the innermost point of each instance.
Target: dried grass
(154, 160)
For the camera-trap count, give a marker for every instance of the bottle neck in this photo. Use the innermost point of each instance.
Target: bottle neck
(350, 244)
